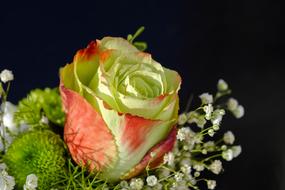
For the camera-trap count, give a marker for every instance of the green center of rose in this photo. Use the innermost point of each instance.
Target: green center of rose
(138, 79)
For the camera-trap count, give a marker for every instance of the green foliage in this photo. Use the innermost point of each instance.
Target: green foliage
(78, 177)
(37, 152)
(142, 46)
(39, 103)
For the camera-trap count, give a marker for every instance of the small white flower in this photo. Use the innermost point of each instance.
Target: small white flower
(236, 150)
(216, 167)
(136, 184)
(183, 133)
(199, 167)
(206, 98)
(6, 76)
(224, 147)
(216, 127)
(208, 109)
(9, 110)
(31, 182)
(178, 176)
(6, 182)
(197, 174)
(217, 116)
(209, 146)
(182, 119)
(151, 180)
(222, 85)
(186, 169)
(168, 159)
(228, 155)
(229, 137)
(232, 104)
(216, 120)
(124, 183)
(239, 112)
(211, 132)
(211, 184)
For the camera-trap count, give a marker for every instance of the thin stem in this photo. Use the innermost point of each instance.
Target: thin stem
(211, 157)
(189, 102)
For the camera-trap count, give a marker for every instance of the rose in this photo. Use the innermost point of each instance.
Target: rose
(121, 108)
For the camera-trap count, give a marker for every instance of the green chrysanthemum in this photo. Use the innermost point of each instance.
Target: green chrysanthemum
(40, 102)
(37, 152)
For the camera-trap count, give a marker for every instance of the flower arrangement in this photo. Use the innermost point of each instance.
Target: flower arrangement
(113, 123)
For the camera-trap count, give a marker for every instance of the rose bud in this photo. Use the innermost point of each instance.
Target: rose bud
(121, 108)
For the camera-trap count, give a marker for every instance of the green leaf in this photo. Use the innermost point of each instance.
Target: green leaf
(140, 45)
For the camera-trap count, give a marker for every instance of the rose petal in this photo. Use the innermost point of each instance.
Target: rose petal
(85, 133)
(153, 161)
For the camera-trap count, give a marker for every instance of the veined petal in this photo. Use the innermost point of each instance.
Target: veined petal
(88, 138)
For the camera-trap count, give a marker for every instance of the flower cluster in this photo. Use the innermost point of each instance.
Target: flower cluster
(109, 138)
(195, 151)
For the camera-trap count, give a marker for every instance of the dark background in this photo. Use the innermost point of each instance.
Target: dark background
(239, 41)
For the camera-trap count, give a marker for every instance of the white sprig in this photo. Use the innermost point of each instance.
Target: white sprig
(6, 76)
(31, 182)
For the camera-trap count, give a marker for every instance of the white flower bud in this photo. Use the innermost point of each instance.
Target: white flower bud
(216, 127)
(222, 85)
(151, 180)
(183, 133)
(239, 112)
(182, 119)
(232, 104)
(211, 184)
(236, 150)
(136, 184)
(168, 158)
(211, 132)
(228, 155)
(6, 76)
(206, 98)
(197, 174)
(217, 116)
(186, 169)
(31, 182)
(229, 137)
(208, 109)
(216, 167)
(6, 182)
(199, 167)
(224, 147)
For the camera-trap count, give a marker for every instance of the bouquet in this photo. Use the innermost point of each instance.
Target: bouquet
(113, 122)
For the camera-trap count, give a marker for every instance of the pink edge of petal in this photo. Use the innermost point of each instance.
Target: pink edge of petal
(136, 130)
(158, 150)
(85, 132)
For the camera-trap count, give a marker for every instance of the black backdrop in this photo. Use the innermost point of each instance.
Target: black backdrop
(240, 41)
